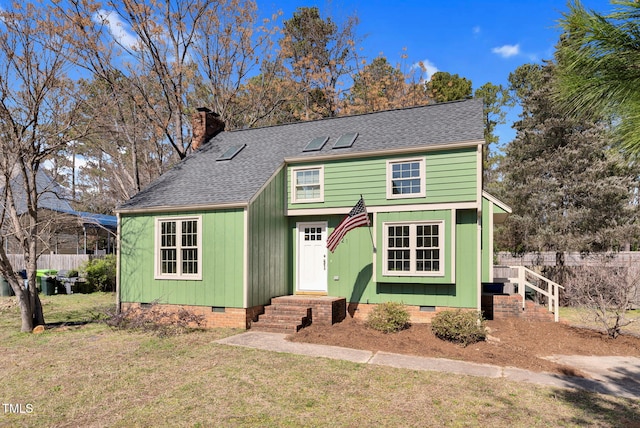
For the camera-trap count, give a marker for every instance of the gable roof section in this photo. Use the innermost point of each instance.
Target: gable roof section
(500, 210)
(201, 181)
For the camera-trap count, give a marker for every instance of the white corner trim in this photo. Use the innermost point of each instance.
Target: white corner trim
(245, 261)
(490, 243)
(454, 246)
(374, 256)
(118, 255)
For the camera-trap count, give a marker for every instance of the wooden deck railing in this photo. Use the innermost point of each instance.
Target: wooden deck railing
(545, 287)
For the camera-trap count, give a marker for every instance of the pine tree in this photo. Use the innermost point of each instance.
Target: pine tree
(598, 57)
(569, 190)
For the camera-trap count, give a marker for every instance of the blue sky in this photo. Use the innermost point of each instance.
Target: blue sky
(481, 40)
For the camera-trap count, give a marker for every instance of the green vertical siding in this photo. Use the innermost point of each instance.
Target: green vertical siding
(450, 177)
(268, 245)
(351, 266)
(222, 262)
(411, 216)
(466, 259)
(437, 291)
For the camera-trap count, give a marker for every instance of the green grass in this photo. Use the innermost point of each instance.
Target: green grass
(582, 317)
(91, 375)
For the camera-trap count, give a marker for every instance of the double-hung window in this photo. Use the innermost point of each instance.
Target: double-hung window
(406, 178)
(308, 184)
(179, 248)
(414, 249)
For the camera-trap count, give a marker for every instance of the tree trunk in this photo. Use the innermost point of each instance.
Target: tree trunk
(31, 313)
(560, 268)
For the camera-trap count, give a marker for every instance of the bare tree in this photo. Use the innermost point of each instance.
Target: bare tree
(37, 111)
(230, 49)
(607, 292)
(169, 57)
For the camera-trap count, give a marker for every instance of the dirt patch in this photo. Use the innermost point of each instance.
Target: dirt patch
(514, 342)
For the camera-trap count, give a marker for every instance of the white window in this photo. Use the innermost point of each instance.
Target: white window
(406, 178)
(414, 249)
(179, 248)
(308, 184)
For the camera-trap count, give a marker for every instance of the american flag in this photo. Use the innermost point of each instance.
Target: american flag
(357, 217)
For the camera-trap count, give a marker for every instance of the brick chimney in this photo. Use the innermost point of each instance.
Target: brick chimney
(206, 124)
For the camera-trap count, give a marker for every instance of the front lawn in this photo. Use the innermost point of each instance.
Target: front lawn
(83, 373)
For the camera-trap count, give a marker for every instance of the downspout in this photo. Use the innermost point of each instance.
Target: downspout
(117, 250)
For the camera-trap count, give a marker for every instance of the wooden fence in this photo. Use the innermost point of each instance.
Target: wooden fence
(507, 263)
(52, 261)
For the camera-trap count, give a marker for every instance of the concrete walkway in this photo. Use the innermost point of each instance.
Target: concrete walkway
(619, 376)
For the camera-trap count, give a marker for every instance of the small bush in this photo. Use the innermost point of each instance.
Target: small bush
(155, 320)
(101, 273)
(459, 326)
(388, 317)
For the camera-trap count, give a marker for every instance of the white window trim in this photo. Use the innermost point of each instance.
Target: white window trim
(412, 248)
(294, 199)
(423, 172)
(156, 245)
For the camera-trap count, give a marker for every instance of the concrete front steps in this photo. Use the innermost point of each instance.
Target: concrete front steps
(289, 314)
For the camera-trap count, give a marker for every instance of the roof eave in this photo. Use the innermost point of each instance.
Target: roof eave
(182, 208)
(496, 202)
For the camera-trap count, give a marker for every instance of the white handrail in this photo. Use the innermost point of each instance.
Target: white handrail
(552, 292)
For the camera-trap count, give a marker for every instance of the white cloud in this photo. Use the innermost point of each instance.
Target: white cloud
(507, 51)
(117, 27)
(428, 67)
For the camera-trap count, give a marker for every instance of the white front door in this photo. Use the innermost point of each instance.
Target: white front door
(312, 257)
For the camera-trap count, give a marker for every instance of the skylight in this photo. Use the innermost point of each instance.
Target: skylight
(316, 144)
(345, 140)
(231, 152)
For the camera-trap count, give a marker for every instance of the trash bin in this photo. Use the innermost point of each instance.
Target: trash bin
(41, 275)
(48, 285)
(5, 288)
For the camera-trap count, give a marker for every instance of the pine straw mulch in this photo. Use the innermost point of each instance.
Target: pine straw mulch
(512, 342)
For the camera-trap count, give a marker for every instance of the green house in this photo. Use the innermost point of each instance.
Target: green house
(246, 217)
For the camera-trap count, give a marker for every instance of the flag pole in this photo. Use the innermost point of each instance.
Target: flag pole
(370, 233)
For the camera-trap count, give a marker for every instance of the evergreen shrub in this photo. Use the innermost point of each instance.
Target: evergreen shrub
(459, 326)
(101, 273)
(389, 317)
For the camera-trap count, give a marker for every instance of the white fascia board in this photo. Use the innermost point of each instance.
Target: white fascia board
(497, 202)
(383, 209)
